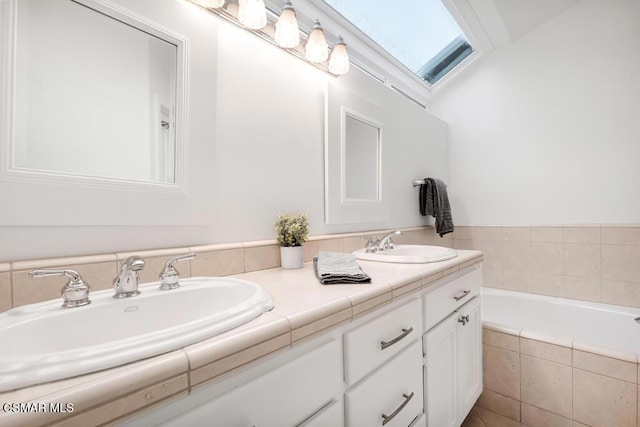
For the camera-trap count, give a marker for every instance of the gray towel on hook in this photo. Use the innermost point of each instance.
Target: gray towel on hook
(434, 201)
(337, 267)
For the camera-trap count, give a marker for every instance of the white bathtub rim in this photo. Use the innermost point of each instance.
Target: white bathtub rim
(568, 342)
(499, 327)
(607, 352)
(600, 306)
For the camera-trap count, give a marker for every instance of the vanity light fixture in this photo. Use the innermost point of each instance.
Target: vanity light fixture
(282, 31)
(252, 14)
(316, 50)
(339, 59)
(287, 31)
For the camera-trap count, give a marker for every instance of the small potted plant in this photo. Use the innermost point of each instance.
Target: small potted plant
(292, 231)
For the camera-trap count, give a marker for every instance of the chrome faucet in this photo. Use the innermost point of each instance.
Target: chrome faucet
(127, 281)
(386, 242)
(75, 293)
(169, 276)
(371, 245)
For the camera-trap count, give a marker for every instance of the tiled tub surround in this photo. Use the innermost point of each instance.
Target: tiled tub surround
(303, 309)
(541, 379)
(599, 263)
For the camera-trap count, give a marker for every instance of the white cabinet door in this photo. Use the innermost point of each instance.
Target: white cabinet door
(441, 374)
(453, 371)
(469, 355)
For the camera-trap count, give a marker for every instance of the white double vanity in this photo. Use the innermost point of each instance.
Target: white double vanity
(404, 350)
(416, 361)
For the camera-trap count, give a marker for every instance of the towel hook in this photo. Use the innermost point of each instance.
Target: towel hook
(418, 182)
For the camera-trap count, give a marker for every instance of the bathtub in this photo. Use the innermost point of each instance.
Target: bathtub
(555, 361)
(601, 328)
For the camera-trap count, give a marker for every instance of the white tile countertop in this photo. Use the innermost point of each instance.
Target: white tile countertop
(303, 308)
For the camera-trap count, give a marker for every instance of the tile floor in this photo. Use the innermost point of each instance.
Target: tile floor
(480, 417)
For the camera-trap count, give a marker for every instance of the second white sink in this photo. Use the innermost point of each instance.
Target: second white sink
(43, 342)
(409, 254)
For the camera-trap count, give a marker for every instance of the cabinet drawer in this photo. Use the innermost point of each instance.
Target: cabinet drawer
(444, 300)
(395, 390)
(286, 396)
(370, 345)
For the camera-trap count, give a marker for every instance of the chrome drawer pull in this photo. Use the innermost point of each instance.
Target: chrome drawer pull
(462, 295)
(387, 418)
(464, 320)
(405, 332)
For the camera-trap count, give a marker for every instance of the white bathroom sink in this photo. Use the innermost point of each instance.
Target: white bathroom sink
(44, 342)
(408, 254)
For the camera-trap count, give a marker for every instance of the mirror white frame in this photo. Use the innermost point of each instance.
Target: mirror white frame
(8, 45)
(340, 209)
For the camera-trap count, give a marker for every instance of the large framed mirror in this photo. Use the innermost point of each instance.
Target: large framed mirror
(96, 97)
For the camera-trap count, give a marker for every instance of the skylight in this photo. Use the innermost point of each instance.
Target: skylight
(421, 34)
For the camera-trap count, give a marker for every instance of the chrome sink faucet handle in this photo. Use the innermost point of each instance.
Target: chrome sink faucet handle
(75, 293)
(386, 243)
(169, 276)
(371, 244)
(126, 283)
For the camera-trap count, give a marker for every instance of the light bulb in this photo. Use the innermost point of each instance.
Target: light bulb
(316, 49)
(252, 14)
(287, 32)
(339, 60)
(213, 4)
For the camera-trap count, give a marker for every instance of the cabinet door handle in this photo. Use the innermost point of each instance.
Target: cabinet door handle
(387, 418)
(405, 332)
(462, 294)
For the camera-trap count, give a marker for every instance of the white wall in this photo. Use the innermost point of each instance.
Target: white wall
(257, 117)
(270, 140)
(547, 130)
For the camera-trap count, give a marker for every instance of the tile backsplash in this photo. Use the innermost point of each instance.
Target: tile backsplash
(598, 263)
(17, 288)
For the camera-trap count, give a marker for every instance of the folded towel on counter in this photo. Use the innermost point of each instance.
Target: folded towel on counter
(337, 267)
(434, 201)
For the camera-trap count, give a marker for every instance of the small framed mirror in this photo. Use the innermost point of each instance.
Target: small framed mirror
(355, 189)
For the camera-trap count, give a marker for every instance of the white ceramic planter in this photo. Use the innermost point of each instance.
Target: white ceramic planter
(291, 256)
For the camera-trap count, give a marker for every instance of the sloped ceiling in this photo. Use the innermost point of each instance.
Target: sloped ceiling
(505, 21)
